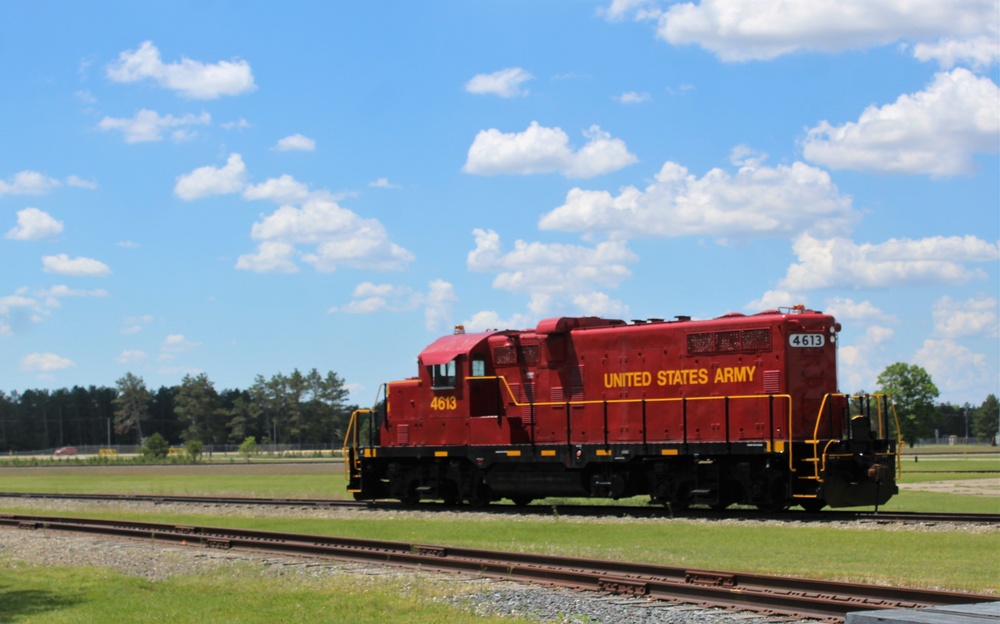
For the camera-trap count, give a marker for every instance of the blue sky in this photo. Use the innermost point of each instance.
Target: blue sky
(242, 189)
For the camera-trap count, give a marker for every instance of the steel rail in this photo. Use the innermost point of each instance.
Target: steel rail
(582, 510)
(827, 600)
(542, 509)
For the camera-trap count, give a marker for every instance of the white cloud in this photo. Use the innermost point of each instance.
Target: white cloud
(490, 319)
(207, 181)
(955, 369)
(775, 299)
(28, 183)
(338, 237)
(632, 97)
(188, 78)
(270, 257)
(639, 10)
(756, 201)
(134, 324)
(845, 309)
(841, 263)
(368, 298)
(131, 356)
(177, 343)
(861, 363)
(283, 189)
(505, 83)
(45, 363)
(78, 182)
(546, 150)
(935, 131)
(62, 264)
(959, 319)
(383, 183)
(438, 305)
(978, 52)
(148, 125)
(17, 311)
(35, 224)
(296, 142)
(52, 295)
(736, 30)
(542, 271)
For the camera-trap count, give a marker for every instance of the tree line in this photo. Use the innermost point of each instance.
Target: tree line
(300, 408)
(311, 409)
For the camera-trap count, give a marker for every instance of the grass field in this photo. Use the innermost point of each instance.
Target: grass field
(962, 560)
(247, 594)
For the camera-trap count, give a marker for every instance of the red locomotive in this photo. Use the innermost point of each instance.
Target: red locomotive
(739, 409)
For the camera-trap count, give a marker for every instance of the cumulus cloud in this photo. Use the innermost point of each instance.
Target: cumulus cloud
(842, 263)
(28, 183)
(505, 83)
(632, 97)
(336, 236)
(736, 30)
(978, 52)
(936, 131)
(208, 181)
(45, 363)
(490, 319)
(546, 150)
(846, 309)
(176, 343)
(52, 295)
(62, 264)
(149, 125)
(35, 224)
(78, 182)
(296, 142)
(131, 356)
(554, 274)
(437, 302)
(755, 201)
(959, 319)
(862, 361)
(283, 189)
(18, 311)
(188, 78)
(383, 183)
(955, 369)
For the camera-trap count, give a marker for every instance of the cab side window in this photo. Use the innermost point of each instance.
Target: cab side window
(443, 375)
(478, 366)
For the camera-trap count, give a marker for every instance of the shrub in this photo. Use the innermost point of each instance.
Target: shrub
(155, 447)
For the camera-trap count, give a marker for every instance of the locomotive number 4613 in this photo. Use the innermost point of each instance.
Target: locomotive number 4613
(806, 340)
(444, 403)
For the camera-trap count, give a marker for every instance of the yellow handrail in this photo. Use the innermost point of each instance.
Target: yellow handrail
(517, 403)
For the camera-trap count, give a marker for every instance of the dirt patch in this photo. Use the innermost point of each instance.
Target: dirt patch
(973, 487)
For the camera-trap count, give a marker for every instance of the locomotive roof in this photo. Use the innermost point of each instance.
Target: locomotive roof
(447, 348)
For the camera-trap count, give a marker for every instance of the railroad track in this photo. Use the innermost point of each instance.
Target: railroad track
(565, 510)
(765, 594)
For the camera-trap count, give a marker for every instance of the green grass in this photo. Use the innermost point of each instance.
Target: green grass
(331, 486)
(245, 594)
(894, 555)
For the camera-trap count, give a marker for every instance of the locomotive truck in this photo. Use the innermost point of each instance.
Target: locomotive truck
(740, 409)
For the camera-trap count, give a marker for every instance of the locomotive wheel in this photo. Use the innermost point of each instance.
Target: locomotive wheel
(412, 497)
(521, 501)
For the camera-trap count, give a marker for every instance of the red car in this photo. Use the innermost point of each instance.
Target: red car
(66, 450)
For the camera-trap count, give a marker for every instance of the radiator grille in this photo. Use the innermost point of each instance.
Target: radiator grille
(504, 356)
